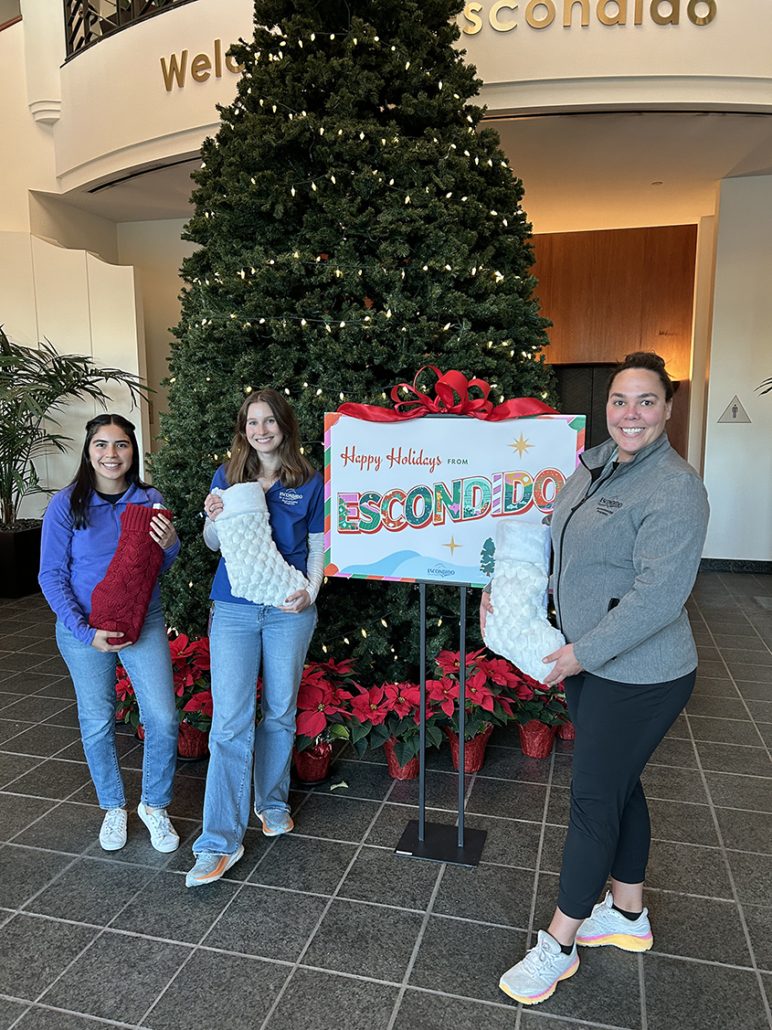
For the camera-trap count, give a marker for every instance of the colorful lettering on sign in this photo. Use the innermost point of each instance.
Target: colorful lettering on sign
(474, 497)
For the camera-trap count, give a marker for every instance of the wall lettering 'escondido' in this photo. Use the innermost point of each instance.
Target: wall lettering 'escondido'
(502, 15)
(176, 68)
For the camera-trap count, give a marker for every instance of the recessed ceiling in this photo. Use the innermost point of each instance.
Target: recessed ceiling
(581, 171)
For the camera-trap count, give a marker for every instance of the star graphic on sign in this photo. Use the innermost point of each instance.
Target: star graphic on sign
(521, 445)
(452, 545)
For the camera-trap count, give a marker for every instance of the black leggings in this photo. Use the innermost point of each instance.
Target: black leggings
(618, 727)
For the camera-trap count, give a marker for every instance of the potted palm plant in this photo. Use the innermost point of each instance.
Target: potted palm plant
(36, 385)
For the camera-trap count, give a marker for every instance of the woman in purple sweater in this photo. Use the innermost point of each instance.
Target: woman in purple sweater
(81, 528)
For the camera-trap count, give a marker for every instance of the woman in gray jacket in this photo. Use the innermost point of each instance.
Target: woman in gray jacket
(627, 531)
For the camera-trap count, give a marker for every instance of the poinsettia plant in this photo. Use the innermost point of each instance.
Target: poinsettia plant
(392, 711)
(545, 704)
(192, 686)
(324, 703)
(493, 690)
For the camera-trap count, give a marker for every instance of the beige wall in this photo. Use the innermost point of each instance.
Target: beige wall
(155, 250)
(738, 457)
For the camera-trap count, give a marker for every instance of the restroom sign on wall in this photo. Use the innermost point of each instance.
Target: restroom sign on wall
(734, 412)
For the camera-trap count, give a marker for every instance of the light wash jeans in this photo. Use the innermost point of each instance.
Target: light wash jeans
(149, 666)
(240, 636)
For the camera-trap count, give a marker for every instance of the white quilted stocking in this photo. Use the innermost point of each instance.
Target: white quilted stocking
(518, 628)
(256, 569)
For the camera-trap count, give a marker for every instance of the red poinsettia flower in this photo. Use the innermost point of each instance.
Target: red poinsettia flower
(123, 689)
(401, 698)
(478, 692)
(315, 704)
(370, 706)
(450, 661)
(443, 692)
(201, 702)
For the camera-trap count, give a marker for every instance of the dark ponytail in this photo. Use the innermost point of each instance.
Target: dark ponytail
(83, 484)
(652, 363)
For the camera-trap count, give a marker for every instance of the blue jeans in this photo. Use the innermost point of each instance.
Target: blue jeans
(240, 636)
(150, 669)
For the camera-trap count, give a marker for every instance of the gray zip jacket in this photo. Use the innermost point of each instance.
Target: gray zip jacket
(627, 550)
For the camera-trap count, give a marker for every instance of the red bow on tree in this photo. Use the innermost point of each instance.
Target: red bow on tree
(451, 397)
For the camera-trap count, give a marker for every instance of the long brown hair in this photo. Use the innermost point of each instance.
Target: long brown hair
(244, 463)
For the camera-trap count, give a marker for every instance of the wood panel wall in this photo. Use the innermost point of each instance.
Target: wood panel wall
(613, 291)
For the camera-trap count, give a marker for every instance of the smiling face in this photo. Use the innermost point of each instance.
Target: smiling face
(111, 454)
(636, 411)
(262, 429)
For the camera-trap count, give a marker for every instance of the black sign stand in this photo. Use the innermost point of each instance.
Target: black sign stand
(441, 842)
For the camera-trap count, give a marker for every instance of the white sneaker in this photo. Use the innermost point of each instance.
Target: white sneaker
(535, 977)
(112, 835)
(163, 836)
(607, 926)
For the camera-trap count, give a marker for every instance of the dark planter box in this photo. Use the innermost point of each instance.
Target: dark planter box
(19, 561)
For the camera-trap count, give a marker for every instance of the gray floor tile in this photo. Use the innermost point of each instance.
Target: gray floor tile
(553, 844)
(512, 800)
(751, 671)
(94, 889)
(25, 871)
(420, 1010)
(146, 967)
(759, 923)
(53, 779)
(504, 763)
(165, 908)
(57, 686)
(13, 766)
(304, 864)
(697, 928)
(508, 841)
(364, 779)
(686, 824)
(441, 791)
(752, 691)
(35, 951)
(558, 809)
(365, 940)
(675, 752)
(670, 784)
(34, 708)
(753, 761)
(487, 893)
(534, 1021)
(267, 923)
(381, 876)
(353, 1004)
(746, 831)
(391, 823)
(753, 877)
(343, 819)
(688, 868)
(42, 740)
(219, 991)
(761, 711)
(16, 813)
(14, 661)
(66, 827)
(10, 728)
(727, 707)
(724, 731)
(731, 790)
(693, 996)
(39, 1018)
(445, 962)
(9, 1012)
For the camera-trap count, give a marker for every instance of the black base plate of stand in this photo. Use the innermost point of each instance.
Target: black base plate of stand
(440, 844)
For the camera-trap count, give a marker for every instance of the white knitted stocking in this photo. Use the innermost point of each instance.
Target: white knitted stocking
(256, 569)
(518, 628)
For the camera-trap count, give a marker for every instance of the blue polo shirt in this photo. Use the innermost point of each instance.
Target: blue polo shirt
(295, 511)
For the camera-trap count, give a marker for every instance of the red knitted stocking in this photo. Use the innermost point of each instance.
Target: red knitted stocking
(120, 601)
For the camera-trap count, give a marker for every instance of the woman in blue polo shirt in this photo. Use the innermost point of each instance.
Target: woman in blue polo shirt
(81, 528)
(245, 636)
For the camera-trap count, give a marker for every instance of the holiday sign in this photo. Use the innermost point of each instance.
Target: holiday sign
(420, 499)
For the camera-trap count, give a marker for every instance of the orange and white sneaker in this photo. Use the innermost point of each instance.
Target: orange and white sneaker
(210, 867)
(535, 977)
(605, 926)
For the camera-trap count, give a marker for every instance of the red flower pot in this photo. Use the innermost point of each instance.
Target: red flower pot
(408, 771)
(474, 749)
(567, 731)
(192, 743)
(536, 738)
(313, 764)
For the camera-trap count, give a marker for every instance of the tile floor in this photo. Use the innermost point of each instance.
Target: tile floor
(328, 929)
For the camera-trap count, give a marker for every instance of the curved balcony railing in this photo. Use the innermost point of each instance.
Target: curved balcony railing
(88, 21)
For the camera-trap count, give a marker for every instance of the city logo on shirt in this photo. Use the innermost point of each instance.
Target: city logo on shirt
(607, 505)
(290, 497)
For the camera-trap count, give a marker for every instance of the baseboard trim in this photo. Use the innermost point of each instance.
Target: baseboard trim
(761, 568)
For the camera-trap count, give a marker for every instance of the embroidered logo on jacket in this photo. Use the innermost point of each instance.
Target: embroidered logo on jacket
(290, 497)
(607, 505)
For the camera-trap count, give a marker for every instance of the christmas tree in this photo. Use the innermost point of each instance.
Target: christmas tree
(354, 225)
